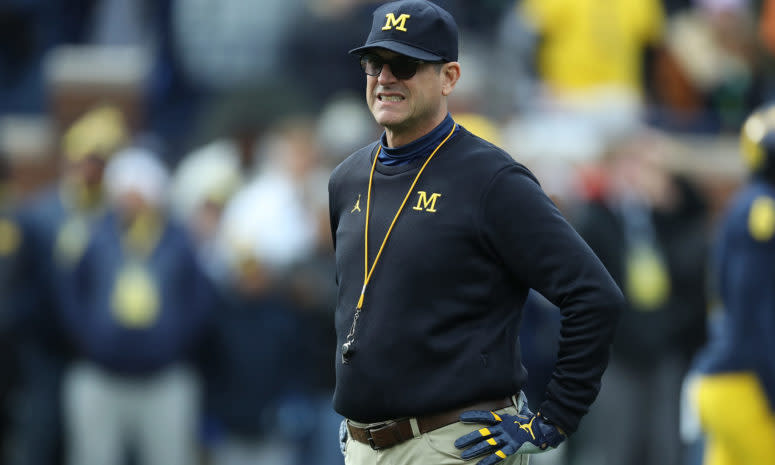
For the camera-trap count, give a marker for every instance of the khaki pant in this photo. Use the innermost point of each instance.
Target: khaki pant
(434, 448)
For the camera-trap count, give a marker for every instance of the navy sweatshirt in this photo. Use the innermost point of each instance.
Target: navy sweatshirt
(185, 302)
(441, 314)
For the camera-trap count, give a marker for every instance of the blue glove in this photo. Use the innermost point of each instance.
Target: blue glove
(343, 436)
(506, 435)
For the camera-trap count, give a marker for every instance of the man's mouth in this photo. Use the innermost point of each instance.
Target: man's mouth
(390, 98)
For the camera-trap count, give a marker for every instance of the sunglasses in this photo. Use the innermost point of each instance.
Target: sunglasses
(402, 67)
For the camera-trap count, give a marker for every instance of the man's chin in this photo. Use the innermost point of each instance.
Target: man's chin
(389, 118)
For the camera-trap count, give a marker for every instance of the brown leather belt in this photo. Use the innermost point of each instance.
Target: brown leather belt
(390, 433)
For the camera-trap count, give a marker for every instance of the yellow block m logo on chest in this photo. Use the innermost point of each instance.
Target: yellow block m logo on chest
(426, 203)
(399, 23)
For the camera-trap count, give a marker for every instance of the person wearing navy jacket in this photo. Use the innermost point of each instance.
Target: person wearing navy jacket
(734, 391)
(439, 236)
(134, 308)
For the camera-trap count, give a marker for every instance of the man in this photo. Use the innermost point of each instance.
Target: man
(433, 267)
(739, 362)
(57, 224)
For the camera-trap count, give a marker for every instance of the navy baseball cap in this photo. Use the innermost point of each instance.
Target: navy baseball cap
(415, 28)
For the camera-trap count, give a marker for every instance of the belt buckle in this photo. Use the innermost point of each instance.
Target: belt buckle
(371, 440)
(381, 427)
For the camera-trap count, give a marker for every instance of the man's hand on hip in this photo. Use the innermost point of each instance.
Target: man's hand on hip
(505, 435)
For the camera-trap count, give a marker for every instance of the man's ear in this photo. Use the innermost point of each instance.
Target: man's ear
(450, 73)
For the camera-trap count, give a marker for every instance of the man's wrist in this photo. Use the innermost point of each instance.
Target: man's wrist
(549, 422)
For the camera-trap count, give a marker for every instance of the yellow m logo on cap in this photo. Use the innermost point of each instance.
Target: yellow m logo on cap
(399, 23)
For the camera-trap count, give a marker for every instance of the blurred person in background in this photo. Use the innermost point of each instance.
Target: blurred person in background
(233, 135)
(277, 196)
(57, 224)
(201, 187)
(590, 61)
(734, 390)
(256, 368)
(207, 50)
(134, 307)
(590, 56)
(225, 44)
(344, 123)
(313, 292)
(647, 224)
(717, 67)
(269, 226)
(514, 52)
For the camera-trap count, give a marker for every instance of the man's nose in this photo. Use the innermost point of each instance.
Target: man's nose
(386, 75)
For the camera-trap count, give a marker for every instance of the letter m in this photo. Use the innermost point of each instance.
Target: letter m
(425, 203)
(399, 23)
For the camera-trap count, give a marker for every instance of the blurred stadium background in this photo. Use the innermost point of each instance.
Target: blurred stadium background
(225, 117)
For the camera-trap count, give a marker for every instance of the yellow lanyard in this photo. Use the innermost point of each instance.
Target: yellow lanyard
(366, 271)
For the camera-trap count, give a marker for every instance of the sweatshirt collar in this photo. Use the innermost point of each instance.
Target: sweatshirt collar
(393, 156)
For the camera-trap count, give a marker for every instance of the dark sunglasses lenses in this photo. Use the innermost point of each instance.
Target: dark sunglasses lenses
(401, 67)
